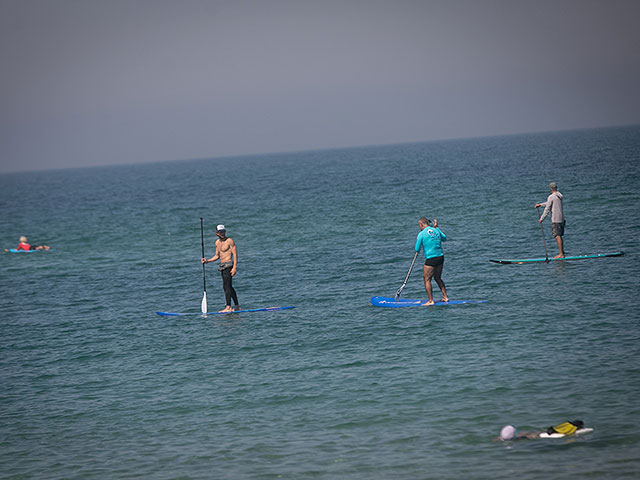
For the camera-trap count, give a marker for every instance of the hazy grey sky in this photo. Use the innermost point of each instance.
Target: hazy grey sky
(91, 82)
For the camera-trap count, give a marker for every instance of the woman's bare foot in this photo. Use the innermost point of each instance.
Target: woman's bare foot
(430, 302)
(226, 310)
(445, 300)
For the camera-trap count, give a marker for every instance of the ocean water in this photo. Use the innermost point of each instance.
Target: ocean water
(95, 385)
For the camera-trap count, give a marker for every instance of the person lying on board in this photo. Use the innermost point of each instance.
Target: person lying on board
(23, 245)
(509, 432)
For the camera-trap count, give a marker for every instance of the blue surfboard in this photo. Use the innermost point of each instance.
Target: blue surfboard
(539, 260)
(266, 309)
(406, 302)
(13, 250)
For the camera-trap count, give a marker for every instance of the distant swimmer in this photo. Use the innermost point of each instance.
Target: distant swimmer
(23, 245)
(554, 204)
(509, 432)
(430, 238)
(227, 252)
(565, 429)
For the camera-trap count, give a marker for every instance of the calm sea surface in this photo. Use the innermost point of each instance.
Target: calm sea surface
(95, 385)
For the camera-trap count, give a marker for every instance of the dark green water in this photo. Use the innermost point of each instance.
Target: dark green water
(95, 385)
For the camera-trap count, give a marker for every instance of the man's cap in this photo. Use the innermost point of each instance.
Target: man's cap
(553, 185)
(220, 228)
(508, 432)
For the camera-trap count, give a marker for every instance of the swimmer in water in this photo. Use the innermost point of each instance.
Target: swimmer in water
(509, 432)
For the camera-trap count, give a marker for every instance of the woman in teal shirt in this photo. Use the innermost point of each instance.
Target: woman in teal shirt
(430, 238)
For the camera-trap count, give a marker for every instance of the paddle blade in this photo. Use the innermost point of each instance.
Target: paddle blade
(203, 306)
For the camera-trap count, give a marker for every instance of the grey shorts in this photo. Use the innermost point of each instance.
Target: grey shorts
(224, 265)
(557, 229)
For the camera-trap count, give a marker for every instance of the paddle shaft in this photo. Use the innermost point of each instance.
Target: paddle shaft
(204, 281)
(407, 277)
(544, 241)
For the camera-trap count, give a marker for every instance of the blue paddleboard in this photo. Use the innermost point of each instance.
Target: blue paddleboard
(406, 302)
(266, 309)
(539, 260)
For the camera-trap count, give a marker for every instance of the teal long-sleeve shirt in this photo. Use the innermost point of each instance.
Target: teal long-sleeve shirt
(431, 239)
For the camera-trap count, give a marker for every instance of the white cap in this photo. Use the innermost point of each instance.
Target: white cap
(220, 227)
(508, 432)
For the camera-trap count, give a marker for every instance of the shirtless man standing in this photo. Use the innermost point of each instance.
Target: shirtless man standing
(228, 254)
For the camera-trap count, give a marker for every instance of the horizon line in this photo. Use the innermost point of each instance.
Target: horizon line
(320, 149)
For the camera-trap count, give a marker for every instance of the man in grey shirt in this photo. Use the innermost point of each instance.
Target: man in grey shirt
(554, 204)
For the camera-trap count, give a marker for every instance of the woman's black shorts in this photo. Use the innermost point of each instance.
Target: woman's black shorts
(434, 261)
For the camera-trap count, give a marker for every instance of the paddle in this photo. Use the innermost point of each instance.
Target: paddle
(203, 305)
(546, 255)
(407, 277)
